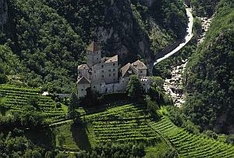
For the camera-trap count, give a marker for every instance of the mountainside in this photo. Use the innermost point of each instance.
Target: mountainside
(210, 76)
(204, 7)
(49, 37)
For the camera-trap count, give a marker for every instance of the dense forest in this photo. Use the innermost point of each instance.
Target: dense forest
(48, 38)
(210, 74)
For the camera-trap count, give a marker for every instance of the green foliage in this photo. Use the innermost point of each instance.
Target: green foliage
(163, 68)
(197, 27)
(3, 79)
(170, 15)
(210, 74)
(230, 139)
(185, 144)
(72, 106)
(61, 140)
(29, 103)
(204, 7)
(134, 89)
(13, 145)
(44, 42)
(33, 101)
(121, 124)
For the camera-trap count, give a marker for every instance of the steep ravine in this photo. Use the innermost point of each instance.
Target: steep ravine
(174, 85)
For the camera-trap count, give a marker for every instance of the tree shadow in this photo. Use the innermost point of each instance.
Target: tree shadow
(80, 136)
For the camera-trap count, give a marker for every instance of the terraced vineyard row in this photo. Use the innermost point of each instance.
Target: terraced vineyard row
(17, 98)
(128, 111)
(122, 124)
(191, 145)
(123, 131)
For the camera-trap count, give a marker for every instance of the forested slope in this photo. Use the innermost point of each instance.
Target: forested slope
(48, 37)
(210, 75)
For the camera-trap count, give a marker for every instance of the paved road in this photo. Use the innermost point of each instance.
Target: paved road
(187, 38)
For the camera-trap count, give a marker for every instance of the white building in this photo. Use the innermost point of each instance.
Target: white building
(102, 74)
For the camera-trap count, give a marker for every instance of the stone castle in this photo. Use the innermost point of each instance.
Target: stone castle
(102, 74)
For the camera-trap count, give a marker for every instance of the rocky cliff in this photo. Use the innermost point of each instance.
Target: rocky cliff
(124, 35)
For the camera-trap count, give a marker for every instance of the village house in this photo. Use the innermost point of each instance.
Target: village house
(101, 74)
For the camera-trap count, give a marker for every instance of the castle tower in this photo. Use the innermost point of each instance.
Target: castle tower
(93, 54)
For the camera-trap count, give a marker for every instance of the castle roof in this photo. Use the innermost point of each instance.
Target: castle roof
(139, 65)
(93, 47)
(83, 66)
(83, 80)
(112, 59)
(127, 70)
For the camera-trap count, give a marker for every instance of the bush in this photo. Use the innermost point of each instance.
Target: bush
(3, 79)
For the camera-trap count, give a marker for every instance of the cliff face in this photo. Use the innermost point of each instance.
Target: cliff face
(124, 35)
(136, 27)
(3, 12)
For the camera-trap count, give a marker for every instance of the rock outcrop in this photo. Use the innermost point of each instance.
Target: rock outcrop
(124, 36)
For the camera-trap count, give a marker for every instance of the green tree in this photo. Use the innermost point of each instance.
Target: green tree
(151, 105)
(157, 82)
(72, 106)
(34, 102)
(134, 89)
(3, 78)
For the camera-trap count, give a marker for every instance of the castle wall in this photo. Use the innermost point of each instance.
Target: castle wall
(107, 72)
(145, 82)
(93, 57)
(123, 82)
(142, 72)
(84, 72)
(82, 89)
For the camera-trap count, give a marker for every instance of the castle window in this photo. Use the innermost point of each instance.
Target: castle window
(82, 90)
(113, 64)
(109, 75)
(102, 76)
(113, 74)
(94, 87)
(109, 70)
(102, 66)
(141, 71)
(102, 71)
(113, 69)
